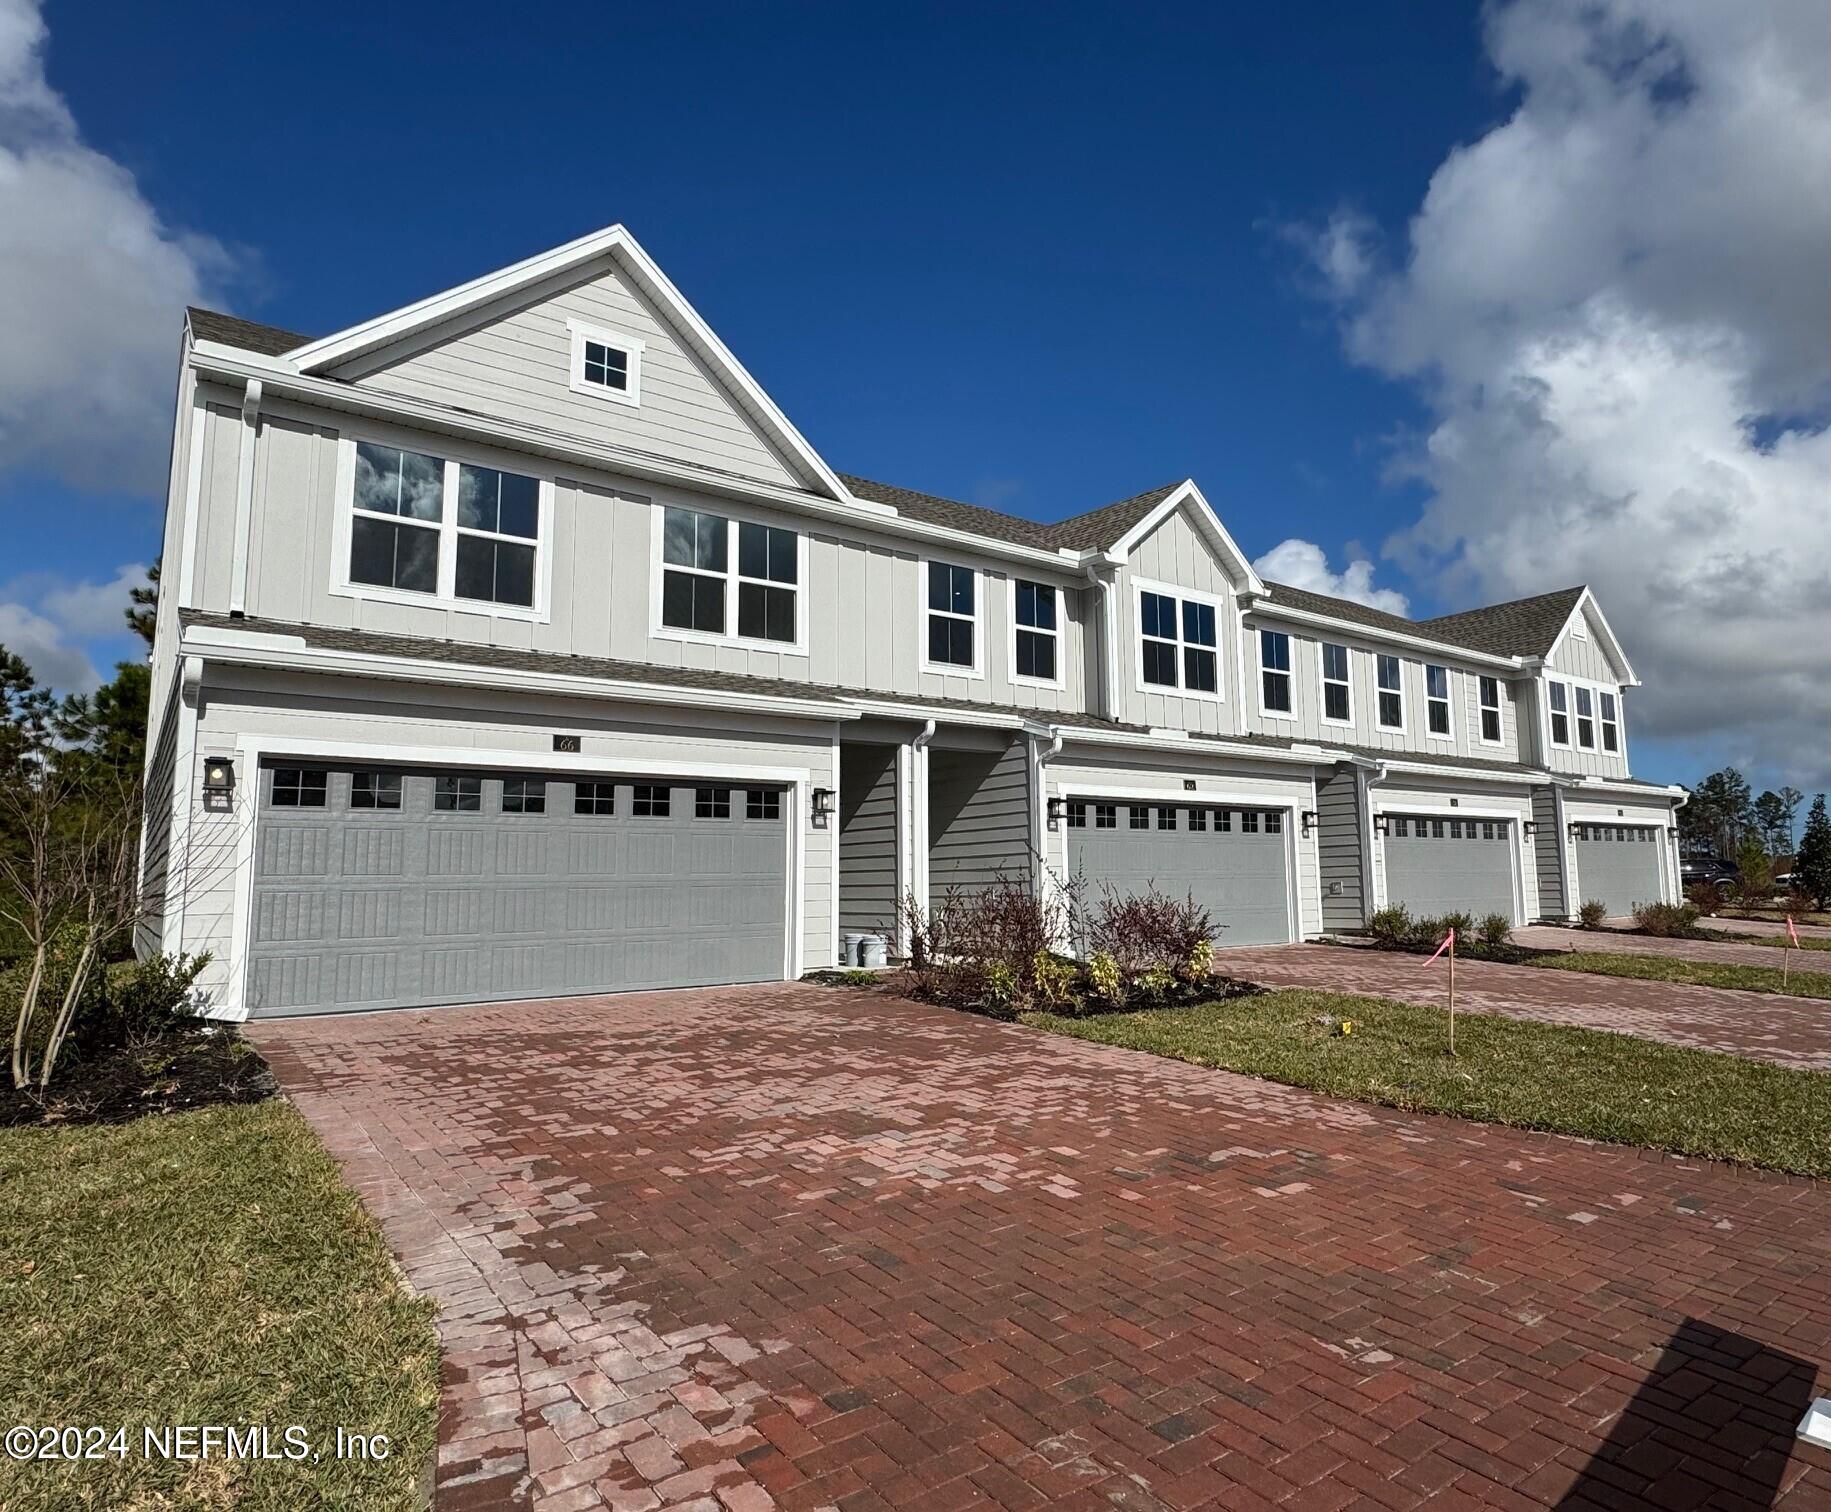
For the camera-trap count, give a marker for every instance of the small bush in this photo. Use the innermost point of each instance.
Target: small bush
(1494, 929)
(1390, 926)
(1104, 978)
(1706, 897)
(1592, 913)
(1149, 931)
(1669, 920)
(147, 997)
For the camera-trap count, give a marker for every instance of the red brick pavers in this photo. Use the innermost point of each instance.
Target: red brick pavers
(1765, 927)
(1789, 1031)
(800, 1247)
(1619, 942)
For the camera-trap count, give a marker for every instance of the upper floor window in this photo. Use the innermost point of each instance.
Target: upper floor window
(1337, 691)
(605, 364)
(1490, 710)
(1558, 695)
(1586, 719)
(1437, 701)
(423, 525)
(1392, 693)
(1179, 643)
(1034, 645)
(1274, 672)
(1611, 722)
(697, 583)
(953, 618)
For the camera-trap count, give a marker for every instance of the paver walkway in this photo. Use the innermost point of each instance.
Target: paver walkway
(1764, 1026)
(1618, 942)
(800, 1247)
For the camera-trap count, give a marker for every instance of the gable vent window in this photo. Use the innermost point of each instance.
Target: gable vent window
(606, 364)
(1337, 691)
(1437, 701)
(1033, 651)
(1490, 710)
(1611, 722)
(1275, 671)
(953, 617)
(1179, 640)
(1558, 695)
(1586, 719)
(1392, 693)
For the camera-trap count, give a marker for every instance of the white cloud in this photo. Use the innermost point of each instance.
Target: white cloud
(46, 620)
(1304, 564)
(1617, 306)
(43, 647)
(92, 289)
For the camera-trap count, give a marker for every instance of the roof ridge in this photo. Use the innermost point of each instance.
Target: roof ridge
(1578, 589)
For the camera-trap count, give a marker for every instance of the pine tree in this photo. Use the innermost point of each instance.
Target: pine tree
(1812, 871)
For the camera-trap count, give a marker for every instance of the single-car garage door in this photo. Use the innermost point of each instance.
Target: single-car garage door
(1232, 861)
(1437, 865)
(389, 887)
(1618, 863)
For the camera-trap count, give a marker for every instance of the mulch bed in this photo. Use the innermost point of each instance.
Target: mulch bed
(195, 1066)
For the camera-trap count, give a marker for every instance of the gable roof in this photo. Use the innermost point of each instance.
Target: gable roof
(232, 330)
(1094, 530)
(1522, 627)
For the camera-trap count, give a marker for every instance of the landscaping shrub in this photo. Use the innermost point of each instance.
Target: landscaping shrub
(1151, 931)
(1706, 897)
(1495, 929)
(1390, 927)
(1592, 913)
(1669, 920)
(128, 1003)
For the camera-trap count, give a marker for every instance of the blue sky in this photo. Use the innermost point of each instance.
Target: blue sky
(1040, 258)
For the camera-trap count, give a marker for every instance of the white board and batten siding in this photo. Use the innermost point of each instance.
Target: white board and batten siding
(1176, 555)
(1584, 658)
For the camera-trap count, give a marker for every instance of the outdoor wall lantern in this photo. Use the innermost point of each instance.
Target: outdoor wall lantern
(1055, 813)
(823, 805)
(218, 777)
(1529, 828)
(1575, 829)
(1379, 824)
(1309, 822)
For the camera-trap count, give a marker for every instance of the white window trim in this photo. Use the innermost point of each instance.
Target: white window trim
(630, 346)
(1142, 586)
(445, 597)
(659, 504)
(1603, 722)
(1324, 681)
(1290, 674)
(1569, 712)
(1060, 680)
(980, 579)
(1378, 723)
(1500, 712)
(1446, 737)
(1594, 744)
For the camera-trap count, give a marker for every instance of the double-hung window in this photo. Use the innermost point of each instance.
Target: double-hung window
(1437, 702)
(1337, 691)
(1392, 693)
(1557, 694)
(1274, 672)
(697, 583)
(695, 552)
(395, 517)
(768, 566)
(1034, 646)
(1179, 643)
(1490, 711)
(498, 524)
(953, 618)
(1611, 722)
(1586, 719)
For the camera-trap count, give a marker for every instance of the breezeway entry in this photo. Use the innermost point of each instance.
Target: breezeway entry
(1438, 864)
(1235, 862)
(389, 887)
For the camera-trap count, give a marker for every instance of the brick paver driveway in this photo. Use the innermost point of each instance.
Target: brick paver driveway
(800, 1247)
(1764, 1026)
(1620, 942)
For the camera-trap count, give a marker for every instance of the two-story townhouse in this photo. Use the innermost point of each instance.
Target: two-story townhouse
(515, 643)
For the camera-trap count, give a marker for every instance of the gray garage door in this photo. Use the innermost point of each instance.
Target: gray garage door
(389, 888)
(1232, 861)
(1437, 865)
(1618, 863)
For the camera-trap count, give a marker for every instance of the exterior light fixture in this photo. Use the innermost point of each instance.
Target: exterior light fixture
(1379, 824)
(1529, 827)
(823, 803)
(1055, 813)
(218, 777)
(1309, 822)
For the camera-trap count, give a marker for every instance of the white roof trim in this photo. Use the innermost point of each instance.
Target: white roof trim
(613, 241)
(1611, 644)
(1206, 520)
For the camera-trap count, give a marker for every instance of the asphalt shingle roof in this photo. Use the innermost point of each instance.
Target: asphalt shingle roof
(1522, 627)
(232, 330)
(1091, 530)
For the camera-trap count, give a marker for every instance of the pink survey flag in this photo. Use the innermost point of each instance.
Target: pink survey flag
(1792, 933)
(1448, 940)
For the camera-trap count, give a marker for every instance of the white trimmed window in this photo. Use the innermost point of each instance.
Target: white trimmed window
(1557, 694)
(1611, 722)
(951, 643)
(695, 555)
(1586, 718)
(1391, 693)
(702, 595)
(1035, 649)
(1179, 644)
(605, 364)
(768, 570)
(1337, 689)
(1490, 711)
(1274, 672)
(498, 524)
(1437, 702)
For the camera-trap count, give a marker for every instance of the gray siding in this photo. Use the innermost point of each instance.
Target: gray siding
(156, 842)
(978, 819)
(1546, 856)
(1340, 833)
(867, 838)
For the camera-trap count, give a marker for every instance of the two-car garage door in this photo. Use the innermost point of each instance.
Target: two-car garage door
(395, 887)
(1438, 864)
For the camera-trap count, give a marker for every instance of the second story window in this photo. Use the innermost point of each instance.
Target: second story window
(1337, 691)
(1274, 671)
(395, 516)
(698, 585)
(1558, 696)
(498, 523)
(1033, 650)
(1490, 710)
(694, 554)
(1179, 644)
(1392, 693)
(1611, 722)
(1437, 701)
(767, 569)
(1586, 719)
(953, 618)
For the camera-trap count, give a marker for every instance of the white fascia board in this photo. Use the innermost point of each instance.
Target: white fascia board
(285, 653)
(991, 719)
(1456, 774)
(235, 367)
(1184, 746)
(1265, 604)
(1612, 643)
(1207, 521)
(1577, 786)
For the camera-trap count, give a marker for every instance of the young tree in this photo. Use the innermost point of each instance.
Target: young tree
(1771, 824)
(1812, 869)
(1791, 798)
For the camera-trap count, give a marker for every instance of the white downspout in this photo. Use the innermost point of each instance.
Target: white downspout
(1039, 807)
(918, 814)
(1109, 640)
(1677, 890)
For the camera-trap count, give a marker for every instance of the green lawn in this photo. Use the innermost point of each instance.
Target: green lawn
(204, 1268)
(1534, 1076)
(1776, 941)
(1646, 968)
(1773, 915)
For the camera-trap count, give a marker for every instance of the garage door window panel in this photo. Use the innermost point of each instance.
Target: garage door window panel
(524, 795)
(375, 790)
(712, 803)
(454, 794)
(296, 787)
(649, 802)
(762, 803)
(596, 800)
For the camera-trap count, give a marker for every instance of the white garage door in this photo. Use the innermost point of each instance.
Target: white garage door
(389, 887)
(1618, 864)
(1232, 861)
(1437, 865)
